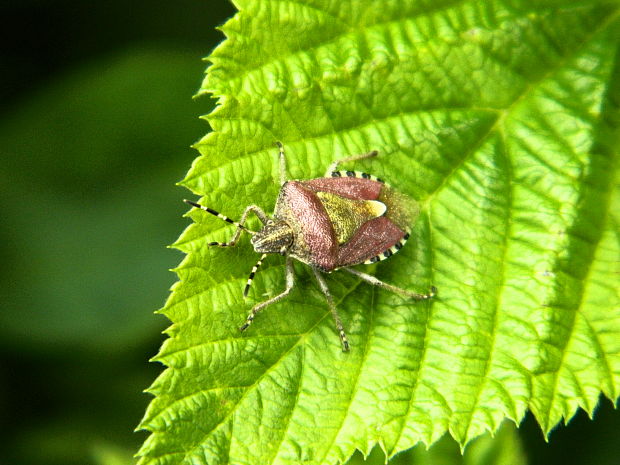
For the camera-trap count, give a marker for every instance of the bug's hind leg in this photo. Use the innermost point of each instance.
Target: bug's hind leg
(330, 301)
(397, 290)
(334, 166)
(290, 282)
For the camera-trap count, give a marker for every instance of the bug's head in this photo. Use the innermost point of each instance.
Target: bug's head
(275, 237)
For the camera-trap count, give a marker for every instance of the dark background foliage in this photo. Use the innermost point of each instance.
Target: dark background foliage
(95, 127)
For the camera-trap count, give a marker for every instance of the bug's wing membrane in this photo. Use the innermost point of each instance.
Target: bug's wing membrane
(376, 239)
(401, 209)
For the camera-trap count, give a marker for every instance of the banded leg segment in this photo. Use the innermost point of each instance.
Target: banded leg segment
(334, 166)
(290, 282)
(397, 290)
(332, 307)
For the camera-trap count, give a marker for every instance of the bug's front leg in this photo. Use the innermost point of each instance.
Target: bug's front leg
(397, 290)
(332, 307)
(290, 282)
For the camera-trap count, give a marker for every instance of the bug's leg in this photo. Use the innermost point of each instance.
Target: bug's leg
(282, 159)
(290, 281)
(240, 224)
(397, 290)
(330, 302)
(334, 166)
(252, 273)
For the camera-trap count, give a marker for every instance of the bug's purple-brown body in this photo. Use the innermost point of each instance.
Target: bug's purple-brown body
(299, 205)
(344, 219)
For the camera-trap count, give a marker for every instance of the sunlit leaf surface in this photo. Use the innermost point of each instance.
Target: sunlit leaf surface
(501, 118)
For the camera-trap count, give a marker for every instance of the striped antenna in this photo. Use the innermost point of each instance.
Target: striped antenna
(218, 214)
(252, 273)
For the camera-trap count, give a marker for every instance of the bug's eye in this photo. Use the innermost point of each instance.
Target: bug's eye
(270, 222)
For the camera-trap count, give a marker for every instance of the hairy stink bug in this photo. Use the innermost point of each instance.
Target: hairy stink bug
(343, 219)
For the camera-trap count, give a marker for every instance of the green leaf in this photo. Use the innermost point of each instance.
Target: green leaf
(502, 118)
(504, 448)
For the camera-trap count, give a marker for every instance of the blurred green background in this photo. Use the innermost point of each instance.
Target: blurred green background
(95, 127)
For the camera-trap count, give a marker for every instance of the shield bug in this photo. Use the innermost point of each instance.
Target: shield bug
(343, 219)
